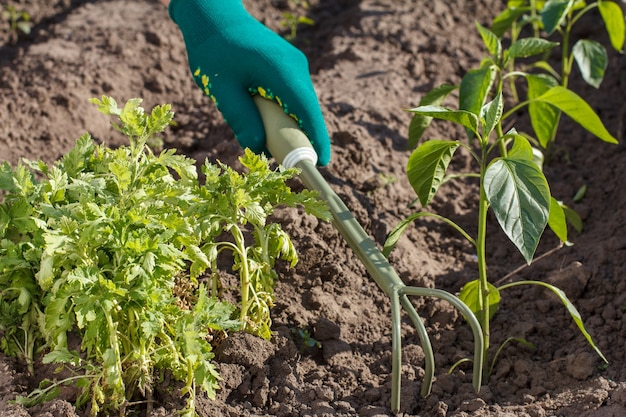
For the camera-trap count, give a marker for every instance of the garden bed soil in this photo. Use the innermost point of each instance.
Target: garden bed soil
(370, 60)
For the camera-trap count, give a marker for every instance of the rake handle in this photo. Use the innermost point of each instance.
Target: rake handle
(284, 139)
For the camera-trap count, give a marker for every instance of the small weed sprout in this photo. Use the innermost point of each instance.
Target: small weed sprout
(19, 20)
(292, 20)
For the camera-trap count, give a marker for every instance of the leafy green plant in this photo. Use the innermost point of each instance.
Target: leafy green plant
(305, 339)
(292, 20)
(19, 20)
(511, 182)
(556, 19)
(227, 203)
(94, 255)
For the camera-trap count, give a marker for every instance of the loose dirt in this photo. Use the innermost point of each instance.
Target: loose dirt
(370, 60)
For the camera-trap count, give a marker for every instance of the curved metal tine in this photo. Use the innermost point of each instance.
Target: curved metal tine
(469, 316)
(397, 299)
(429, 358)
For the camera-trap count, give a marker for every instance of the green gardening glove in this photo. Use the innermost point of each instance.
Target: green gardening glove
(232, 56)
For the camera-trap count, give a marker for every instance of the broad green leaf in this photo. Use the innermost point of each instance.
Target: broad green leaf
(613, 17)
(556, 221)
(491, 41)
(544, 118)
(571, 309)
(592, 61)
(503, 22)
(554, 13)
(474, 89)
(396, 233)
(527, 47)
(466, 119)
(470, 295)
(427, 167)
(519, 194)
(575, 107)
(491, 113)
(419, 122)
(521, 148)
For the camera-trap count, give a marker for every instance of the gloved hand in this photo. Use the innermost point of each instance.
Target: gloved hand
(233, 56)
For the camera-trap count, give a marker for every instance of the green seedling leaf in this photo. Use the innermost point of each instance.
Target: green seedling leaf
(613, 17)
(491, 113)
(575, 107)
(592, 61)
(519, 194)
(503, 22)
(521, 148)
(580, 194)
(427, 167)
(545, 66)
(470, 295)
(557, 221)
(466, 119)
(419, 122)
(554, 13)
(527, 47)
(508, 340)
(571, 309)
(474, 89)
(106, 105)
(397, 231)
(47, 391)
(544, 118)
(573, 218)
(491, 41)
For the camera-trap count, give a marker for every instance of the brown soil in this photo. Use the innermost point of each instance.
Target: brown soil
(369, 59)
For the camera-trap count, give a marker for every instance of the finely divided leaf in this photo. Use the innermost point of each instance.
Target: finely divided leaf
(520, 197)
(427, 167)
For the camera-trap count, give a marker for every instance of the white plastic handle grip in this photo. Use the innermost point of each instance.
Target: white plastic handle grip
(284, 139)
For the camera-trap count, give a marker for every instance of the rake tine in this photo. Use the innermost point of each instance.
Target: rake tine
(397, 300)
(396, 353)
(469, 316)
(429, 357)
(290, 147)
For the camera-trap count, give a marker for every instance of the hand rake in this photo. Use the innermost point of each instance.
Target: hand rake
(290, 147)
